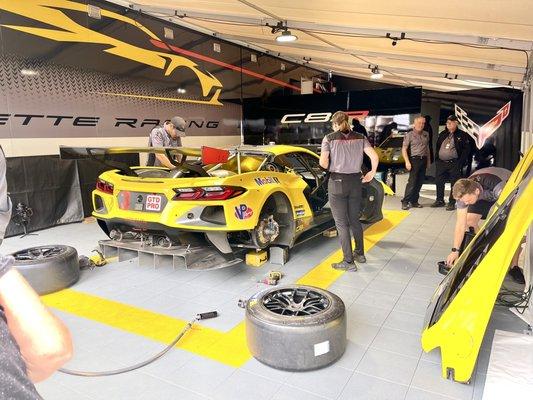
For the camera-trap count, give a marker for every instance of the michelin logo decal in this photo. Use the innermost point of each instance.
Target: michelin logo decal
(266, 181)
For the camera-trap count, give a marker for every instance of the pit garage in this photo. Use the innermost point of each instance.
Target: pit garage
(202, 269)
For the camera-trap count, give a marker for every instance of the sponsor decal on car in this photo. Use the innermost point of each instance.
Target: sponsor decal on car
(266, 180)
(299, 210)
(243, 211)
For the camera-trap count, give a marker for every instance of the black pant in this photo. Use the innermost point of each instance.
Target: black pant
(416, 179)
(345, 192)
(446, 169)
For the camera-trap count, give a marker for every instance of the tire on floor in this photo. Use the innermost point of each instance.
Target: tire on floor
(296, 327)
(48, 268)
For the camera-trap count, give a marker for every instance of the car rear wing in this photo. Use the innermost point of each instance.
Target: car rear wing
(176, 155)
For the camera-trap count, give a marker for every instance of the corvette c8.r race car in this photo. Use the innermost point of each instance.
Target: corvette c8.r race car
(244, 197)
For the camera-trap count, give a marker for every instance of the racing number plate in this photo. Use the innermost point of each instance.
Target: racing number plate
(153, 202)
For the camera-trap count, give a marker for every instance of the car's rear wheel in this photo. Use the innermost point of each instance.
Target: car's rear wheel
(266, 231)
(275, 222)
(296, 327)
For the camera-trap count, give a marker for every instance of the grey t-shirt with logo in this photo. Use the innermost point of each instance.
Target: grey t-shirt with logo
(418, 143)
(160, 138)
(447, 149)
(345, 151)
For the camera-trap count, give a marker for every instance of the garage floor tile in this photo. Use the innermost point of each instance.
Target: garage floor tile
(405, 321)
(418, 394)
(201, 375)
(377, 299)
(292, 393)
(365, 387)
(244, 385)
(327, 382)
(400, 342)
(367, 314)
(389, 366)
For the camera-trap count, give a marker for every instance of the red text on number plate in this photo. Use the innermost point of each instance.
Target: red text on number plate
(153, 202)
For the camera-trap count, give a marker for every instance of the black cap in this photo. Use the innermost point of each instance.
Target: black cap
(451, 118)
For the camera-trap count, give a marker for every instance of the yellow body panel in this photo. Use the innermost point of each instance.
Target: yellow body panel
(460, 329)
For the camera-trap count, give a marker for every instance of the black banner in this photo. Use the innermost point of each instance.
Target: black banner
(305, 119)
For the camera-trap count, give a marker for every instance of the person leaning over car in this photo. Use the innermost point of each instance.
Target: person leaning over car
(475, 196)
(416, 162)
(33, 342)
(451, 154)
(342, 154)
(167, 135)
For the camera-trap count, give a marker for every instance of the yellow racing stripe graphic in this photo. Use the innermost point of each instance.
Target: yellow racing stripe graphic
(213, 101)
(228, 348)
(51, 12)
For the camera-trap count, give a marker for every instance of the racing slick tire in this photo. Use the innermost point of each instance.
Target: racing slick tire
(48, 268)
(372, 202)
(296, 327)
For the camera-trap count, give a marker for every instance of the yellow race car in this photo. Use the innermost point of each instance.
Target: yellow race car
(390, 152)
(248, 196)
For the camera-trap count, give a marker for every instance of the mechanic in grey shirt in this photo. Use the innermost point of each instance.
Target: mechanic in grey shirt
(342, 154)
(167, 135)
(416, 162)
(475, 196)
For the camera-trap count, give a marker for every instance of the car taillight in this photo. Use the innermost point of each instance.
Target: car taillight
(208, 193)
(104, 186)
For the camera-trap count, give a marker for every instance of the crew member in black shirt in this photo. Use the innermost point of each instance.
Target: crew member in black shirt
(451, 154)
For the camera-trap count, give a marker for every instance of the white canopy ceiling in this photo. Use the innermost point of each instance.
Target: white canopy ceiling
(451, 45)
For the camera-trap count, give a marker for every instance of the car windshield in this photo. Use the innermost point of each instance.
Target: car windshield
(392, 142)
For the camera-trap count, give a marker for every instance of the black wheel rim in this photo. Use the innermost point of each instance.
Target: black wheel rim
(295, 302)
(38, 253)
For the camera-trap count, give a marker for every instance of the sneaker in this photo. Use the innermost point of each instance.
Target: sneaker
(416, 205)
(438, 203)
(360, 258)
(517, 275)
(405, 206)
(344, 266)
(450, 207)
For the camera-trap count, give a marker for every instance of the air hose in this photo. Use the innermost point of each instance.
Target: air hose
(207, 315)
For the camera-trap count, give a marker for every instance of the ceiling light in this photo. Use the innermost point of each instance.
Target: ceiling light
(29, 72)
(376, 73)
(286, 36)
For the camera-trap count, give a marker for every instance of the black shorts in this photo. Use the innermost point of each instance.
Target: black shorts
(481, 207)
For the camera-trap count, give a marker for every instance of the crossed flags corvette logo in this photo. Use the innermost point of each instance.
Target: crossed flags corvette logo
(481, 133)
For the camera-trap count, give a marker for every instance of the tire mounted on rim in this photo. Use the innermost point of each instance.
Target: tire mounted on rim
(48, 268)
(296, 327)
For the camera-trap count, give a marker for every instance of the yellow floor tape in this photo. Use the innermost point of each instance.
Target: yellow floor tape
(228, 348)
